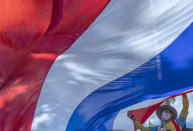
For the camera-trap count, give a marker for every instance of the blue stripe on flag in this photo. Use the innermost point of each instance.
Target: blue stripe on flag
(168, 73)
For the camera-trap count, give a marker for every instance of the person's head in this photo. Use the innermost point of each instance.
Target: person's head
(166, 113)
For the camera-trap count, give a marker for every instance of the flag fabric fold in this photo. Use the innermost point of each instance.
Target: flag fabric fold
(80, 65)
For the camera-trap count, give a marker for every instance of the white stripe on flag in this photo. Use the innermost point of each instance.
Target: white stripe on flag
(127, 34)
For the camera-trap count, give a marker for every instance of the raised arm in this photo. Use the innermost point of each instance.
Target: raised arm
(138, 124)
(184, 111)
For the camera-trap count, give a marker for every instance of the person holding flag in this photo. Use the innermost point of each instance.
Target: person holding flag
(168, 117)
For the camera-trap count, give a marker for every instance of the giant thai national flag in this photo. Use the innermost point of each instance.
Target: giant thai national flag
(80, 65)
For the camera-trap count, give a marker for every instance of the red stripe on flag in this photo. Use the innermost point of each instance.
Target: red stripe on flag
(33, 34)
(144, 113)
